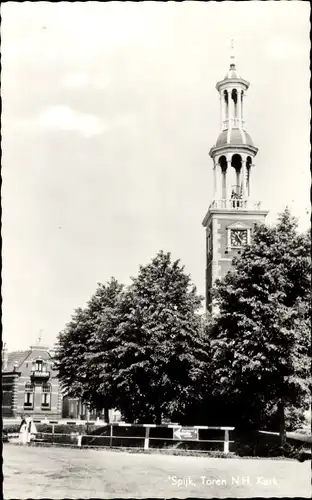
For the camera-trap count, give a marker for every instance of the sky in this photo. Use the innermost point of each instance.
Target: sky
(109, 112)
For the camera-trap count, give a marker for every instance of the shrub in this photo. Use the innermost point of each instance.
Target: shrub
(100, 431)
(44, 428)
(11, 428)
(68, 429)
(263, 445)
(95, 441)
(57, 438)
(128, 432)
(294, 418)
(5, 438)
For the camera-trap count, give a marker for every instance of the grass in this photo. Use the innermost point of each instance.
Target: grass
(59, 472)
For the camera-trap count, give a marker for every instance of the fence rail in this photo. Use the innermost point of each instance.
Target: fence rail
(145, 436)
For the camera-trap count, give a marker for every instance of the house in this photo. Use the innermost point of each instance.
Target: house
(29, 384)
(74, 408)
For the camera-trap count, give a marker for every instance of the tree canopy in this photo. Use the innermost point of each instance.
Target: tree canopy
(139, 349)
(76, 340)
(261, 339)
(147, 351)
(149, 348)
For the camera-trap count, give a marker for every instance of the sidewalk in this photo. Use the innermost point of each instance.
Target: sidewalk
(13, 421)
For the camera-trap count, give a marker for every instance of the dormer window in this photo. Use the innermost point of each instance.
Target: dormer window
(39, 365)
(40, 369)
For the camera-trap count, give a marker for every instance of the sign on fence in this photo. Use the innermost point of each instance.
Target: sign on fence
(185, 433)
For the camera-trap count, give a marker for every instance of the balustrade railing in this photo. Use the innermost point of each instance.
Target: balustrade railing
(234, 122)
(40, 374)
(236, 204)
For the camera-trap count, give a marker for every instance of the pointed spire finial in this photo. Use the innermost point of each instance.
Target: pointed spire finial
(232, 56)
(40, 337)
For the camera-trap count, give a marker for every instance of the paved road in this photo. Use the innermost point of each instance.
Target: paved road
(38, 472)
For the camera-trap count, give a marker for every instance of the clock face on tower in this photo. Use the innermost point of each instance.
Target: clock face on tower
(238, 237)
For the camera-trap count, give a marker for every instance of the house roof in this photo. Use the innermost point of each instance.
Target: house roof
(17, 358)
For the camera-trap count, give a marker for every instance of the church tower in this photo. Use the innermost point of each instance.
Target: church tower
(232, 213)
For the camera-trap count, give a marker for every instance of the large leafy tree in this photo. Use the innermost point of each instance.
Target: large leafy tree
(76, 343)
(261, 339)
(151, 353)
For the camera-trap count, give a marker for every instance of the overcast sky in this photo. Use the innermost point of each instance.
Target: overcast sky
(109, 112)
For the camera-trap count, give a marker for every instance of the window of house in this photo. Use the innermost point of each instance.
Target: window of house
(46, 397)
(29, 396)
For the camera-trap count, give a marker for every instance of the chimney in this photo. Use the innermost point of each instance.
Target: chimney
(5, 356)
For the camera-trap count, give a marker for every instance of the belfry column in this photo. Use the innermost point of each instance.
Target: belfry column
(248, 181)
(223, 186)
(231, 108)
(243, 97)
(214, 179)
(222, 110)
(239, 107)
(228, 178)
(217, 178)
(238, 177)
(243, 178)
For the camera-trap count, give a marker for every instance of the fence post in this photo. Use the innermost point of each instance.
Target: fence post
(226, 441)
(146, 440)
(79, 438)
(111, 435)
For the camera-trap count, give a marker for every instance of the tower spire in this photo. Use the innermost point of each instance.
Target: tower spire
(232, 213)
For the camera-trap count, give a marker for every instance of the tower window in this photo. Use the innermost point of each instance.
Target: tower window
(234, 98)
(223, 166)
(209, 245)
(226, 100)
(236, 189)
(242, 98)
(248, 167)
